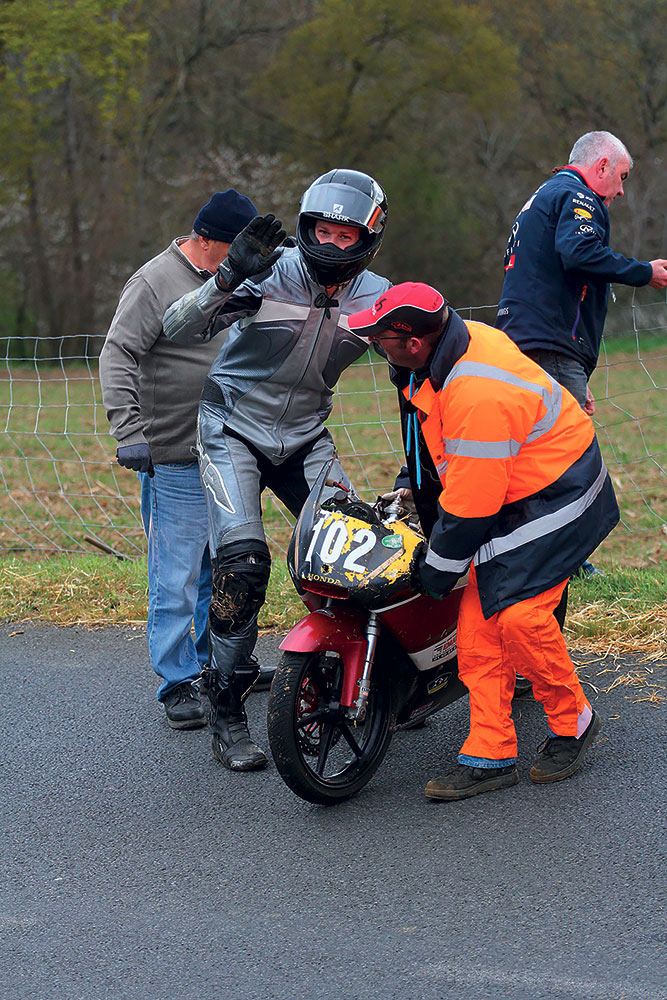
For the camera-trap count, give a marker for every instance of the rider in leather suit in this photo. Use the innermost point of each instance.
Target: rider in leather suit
(264, 403)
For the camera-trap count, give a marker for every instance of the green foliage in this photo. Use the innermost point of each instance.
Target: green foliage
(117, 116)
(603, 66)
(85, 45)
(348, 81)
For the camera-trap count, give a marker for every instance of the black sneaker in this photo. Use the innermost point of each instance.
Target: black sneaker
(560, 756)
(464, 781)
(183, 707)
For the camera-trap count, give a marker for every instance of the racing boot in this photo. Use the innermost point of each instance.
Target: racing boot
(266, 674)
(231, 742)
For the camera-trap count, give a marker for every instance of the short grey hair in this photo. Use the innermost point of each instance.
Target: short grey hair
(591, 146)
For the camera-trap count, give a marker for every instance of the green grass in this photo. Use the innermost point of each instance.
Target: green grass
(60, 488)
(625, 611)
(94, 590)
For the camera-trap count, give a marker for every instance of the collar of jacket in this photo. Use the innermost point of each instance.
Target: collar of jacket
(574, 171)
(175, 248)
(450, 348)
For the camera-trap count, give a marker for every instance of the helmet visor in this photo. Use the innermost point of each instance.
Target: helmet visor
(346, 205)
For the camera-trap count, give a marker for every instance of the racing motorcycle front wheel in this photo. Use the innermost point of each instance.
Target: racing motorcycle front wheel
(321, 752)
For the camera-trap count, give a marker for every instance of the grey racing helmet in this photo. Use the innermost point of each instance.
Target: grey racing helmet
(346, 197)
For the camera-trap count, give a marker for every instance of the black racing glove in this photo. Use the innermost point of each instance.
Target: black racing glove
(137, 457)
(425, 580)
(251, 252)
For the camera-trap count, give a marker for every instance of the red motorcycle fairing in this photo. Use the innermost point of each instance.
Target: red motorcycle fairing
(340, 630)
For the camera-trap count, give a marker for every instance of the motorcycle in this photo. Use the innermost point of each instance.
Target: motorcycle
(372, 654)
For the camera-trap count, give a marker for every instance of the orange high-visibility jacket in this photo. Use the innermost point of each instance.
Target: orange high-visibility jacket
(522, 486)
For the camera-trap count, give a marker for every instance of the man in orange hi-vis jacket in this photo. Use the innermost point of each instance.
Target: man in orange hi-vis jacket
(509, 483)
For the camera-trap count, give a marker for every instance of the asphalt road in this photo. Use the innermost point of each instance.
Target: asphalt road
(134, 865)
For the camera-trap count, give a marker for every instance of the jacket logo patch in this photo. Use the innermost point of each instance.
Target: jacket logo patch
(582, 213)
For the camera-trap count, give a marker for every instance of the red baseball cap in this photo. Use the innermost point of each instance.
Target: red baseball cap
(411, 308)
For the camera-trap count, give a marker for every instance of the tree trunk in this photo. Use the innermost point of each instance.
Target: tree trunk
(41, 262)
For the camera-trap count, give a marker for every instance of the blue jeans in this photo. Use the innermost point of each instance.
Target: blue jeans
(173, 510)
(565, 370)
(572, 375)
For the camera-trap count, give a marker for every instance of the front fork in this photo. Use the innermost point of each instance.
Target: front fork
(364, 682)
(353, 635)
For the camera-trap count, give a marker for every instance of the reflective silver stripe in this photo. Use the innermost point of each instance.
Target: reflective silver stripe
(272, 311)
(441, 468)
(446, 565)
(477, 370)
(482, 449)
(505, 449)
(553, 404)
(542, 525)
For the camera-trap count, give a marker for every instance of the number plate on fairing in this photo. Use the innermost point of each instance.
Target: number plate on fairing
(347, 552)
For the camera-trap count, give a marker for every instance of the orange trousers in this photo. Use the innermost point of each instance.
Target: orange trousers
(524, 639)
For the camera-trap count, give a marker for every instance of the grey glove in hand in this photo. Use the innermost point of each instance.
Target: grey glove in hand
(251, 252)
(137, 457)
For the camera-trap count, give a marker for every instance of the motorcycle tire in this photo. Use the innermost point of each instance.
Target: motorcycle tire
(323, 756)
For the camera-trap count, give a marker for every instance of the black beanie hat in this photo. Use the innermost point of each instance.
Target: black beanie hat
(224, 216)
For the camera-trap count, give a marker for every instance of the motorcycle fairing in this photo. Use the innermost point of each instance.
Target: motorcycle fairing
(370, 561)
(351, 551)
(339, 630)
(425, 628)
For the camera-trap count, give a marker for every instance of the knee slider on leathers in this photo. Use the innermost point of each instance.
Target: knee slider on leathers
(240, 578)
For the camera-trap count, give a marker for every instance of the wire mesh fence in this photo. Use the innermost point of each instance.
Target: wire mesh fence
(62, 491)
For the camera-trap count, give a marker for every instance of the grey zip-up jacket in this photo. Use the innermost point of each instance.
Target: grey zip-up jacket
(151, 386)
(274, 377)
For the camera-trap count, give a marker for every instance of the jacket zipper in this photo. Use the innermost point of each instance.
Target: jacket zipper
(577, 317)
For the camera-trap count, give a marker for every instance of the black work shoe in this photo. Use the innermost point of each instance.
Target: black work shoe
(560, 756)
(183, 707)
(464, 781)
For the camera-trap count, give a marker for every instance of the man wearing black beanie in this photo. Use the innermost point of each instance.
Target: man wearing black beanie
(151, 389)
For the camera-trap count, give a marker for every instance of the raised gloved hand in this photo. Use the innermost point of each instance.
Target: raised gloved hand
(137, 457)
(251, 252)
(399, 502)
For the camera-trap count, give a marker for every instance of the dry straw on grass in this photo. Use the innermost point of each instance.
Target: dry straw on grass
(599, 634)
(606, 628)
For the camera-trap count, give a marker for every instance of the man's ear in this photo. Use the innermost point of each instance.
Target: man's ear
(602, 166)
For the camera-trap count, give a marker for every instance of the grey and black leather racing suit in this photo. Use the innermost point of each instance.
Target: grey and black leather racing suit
(261, 419)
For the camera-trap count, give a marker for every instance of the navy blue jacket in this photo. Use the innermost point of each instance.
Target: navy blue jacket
(558, 265)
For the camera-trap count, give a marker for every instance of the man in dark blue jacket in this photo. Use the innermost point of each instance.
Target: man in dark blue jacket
(558, 266)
